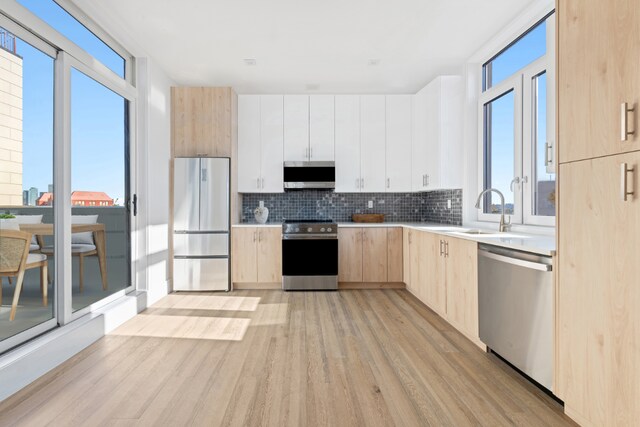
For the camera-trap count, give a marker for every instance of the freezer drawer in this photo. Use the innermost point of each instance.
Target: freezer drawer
(200, 244)
(201, 274)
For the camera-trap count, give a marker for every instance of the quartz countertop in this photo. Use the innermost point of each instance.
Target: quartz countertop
(528, 242)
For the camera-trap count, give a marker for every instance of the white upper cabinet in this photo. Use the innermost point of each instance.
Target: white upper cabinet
(437, 136)
(296, 128)
(321, 128)
(260, 144)
(372, 143)
(249, 157)
(398, 142)
(347, 142)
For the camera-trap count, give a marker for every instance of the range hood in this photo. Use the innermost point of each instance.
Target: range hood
(309, 175)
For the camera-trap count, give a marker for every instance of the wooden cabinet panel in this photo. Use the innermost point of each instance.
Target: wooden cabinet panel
(432, 272)
(406, 257)
(374, 255)
(599, 292)
(244, 255)
(462, 286)
(598, 47)
(416, 267)
(269, 255)
(201, 121)
(349, 254)
(321, 128)
(394, 255)
(347, 145)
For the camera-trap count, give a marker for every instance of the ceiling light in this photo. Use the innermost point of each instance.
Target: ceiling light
(249, 61)
(313, 86)
(374, 62)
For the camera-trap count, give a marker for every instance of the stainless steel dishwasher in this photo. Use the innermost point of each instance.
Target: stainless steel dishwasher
(516, 309)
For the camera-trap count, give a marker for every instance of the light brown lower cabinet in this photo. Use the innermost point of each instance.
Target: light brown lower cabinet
(443, 274)
(370, 255)
(599, 290)
(256, 257)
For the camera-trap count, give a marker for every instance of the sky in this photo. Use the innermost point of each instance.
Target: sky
(97, 114)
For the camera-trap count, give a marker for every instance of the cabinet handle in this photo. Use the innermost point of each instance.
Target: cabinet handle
(624, 119)
(423, 180)
(306, 153)
(362, 183)
(254, 236)
(409, 237)
(357, 182)
(427, 180)
(446, 249)
(258, 183)
(388, 182)
(441, 244)
(311, 153)
(262, 184)
(625, 170)
(259, 236)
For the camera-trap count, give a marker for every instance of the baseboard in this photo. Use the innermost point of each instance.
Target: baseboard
(253, 286)
(371, 285)
(23, 365)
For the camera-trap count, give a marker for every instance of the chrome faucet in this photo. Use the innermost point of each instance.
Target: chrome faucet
(504, 226)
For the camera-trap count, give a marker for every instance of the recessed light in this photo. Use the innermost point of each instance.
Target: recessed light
(313, 86)
(249, 61)
(374, 62)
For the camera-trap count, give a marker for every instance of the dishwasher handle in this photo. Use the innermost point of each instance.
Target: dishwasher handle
(516, 261)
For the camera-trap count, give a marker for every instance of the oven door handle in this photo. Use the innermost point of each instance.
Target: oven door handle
(310, 237)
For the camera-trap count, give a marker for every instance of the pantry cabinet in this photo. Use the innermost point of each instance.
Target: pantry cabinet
(260, 144)
(437, 135)
(256, 257)
(370, 255)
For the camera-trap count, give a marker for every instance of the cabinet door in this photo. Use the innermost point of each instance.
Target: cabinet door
(462, 286)
(419, 150)
(398, 143)
(372, 143)
(249, 148)
(598, 47)
(244, 255)
(374, 255)
(269, 254)
(432, 134)
(321, 128)
(201, 121)
(347, 146)
(406, 257)
(599, 292)
(394, 255)
(432, 272)
(296, 128)
(271, 122)
(349, 254)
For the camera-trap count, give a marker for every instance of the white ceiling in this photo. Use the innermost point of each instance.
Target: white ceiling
(297, 43)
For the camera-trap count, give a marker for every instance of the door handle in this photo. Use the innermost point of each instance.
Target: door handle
(624, 121)
(625, 170)
(547, 155)
(203, 175)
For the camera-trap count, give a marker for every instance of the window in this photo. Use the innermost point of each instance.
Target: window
(516, 140)
(54, 15)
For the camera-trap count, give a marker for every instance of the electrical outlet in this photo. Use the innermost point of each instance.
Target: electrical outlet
(370, 204)
(449, 204)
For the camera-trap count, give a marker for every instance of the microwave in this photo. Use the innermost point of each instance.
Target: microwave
(309, 175)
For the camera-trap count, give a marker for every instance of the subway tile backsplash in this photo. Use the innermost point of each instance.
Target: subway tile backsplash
(323, 204)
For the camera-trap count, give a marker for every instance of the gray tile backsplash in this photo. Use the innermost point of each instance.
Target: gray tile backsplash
(323, 204)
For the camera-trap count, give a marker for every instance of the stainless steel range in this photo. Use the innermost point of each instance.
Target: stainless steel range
(309, 255)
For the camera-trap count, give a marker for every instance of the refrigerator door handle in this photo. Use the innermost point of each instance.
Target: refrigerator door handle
(203, 176)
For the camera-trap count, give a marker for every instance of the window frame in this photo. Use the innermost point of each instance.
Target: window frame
(520, 82)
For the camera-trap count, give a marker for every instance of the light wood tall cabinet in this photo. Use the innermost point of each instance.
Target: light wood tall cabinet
(256, 257)
(598, 220)
(202, 121)
(371, 255)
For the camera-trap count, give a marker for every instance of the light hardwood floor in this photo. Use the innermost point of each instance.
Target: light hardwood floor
(365, 357)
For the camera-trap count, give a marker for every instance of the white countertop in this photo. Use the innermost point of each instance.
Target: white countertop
(539, 244)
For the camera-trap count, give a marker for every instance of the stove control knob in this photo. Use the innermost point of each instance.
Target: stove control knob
(329, 229)
(322, 230)
(309, 230)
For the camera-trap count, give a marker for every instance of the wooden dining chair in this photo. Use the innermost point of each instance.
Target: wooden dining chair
(15, 259)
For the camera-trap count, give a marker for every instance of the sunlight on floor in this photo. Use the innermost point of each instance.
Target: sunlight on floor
(185, 327)
(208, 302)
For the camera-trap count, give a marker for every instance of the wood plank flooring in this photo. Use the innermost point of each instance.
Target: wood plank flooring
(248, 358)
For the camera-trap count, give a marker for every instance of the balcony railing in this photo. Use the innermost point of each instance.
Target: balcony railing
(7, 41)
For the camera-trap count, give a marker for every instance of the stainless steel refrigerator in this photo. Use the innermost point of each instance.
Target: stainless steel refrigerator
(201, 224)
